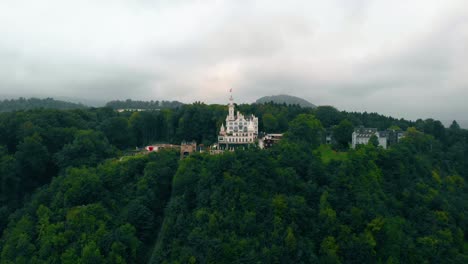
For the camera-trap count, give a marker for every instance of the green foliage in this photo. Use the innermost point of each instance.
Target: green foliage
(34, 103)
(87, 149)
(254, 206)
(108, 214)
(342, 134)
(327, 154)
(117, 131)
(298, 202)
(328, 115)
(31, 161)
(374, 141)
(270, 123)
(150, 105)
(305, 129)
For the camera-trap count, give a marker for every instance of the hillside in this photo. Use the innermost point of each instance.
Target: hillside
(287, 99)
(68, 196)
(131, 104)
(8, 105)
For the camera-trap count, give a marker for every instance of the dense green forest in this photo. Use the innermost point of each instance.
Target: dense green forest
(132, 104)
(68, 195)
(9, 105)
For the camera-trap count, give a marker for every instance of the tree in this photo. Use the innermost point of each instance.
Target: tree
(305, 129)
(455, 125)
(91, 254)
(374, 141)
(329, 251)
(88, 148)
(136, 128)
(290, 240)
(342, 133)
(270, 123)
(328, 115)
(117, 131)
(31, 159)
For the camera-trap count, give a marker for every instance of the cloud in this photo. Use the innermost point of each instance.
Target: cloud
(407, 59)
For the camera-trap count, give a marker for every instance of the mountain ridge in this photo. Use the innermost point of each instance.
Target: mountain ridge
(284, 98)
(8, 105)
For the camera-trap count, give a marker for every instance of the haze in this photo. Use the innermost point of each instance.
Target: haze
(401, 58)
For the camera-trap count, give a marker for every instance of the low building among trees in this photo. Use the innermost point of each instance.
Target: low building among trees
(385, 138)
(269, 140)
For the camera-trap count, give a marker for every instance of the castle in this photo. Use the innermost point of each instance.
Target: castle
(239, 131)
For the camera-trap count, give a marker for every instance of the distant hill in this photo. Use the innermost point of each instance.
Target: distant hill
(8, 105)
(130, 104)
(283, 98)
(90, 102)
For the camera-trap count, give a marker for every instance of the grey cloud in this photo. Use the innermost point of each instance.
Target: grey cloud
(25, 76)
(335, 52)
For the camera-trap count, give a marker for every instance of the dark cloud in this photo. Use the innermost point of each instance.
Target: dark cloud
(26, 77)
(406, 59)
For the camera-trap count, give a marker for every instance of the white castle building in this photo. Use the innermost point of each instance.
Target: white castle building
(239, 130)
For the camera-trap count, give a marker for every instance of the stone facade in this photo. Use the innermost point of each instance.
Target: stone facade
(187, 148)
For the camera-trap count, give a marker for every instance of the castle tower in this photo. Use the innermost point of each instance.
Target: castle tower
(187, 148)
(222, 131)
(231, 107)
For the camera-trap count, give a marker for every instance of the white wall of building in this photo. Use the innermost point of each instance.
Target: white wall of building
(363, 140)
(239, 129)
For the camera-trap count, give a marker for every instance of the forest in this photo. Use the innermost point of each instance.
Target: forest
(8, 105)
(69, 194)
(149, 105)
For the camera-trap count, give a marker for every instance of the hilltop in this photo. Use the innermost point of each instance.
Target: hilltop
(68, 195)
(288, 99)
(8, 105)
(131, 104)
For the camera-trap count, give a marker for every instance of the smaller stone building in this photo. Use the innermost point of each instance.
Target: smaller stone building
(269, 140)
(187, 149)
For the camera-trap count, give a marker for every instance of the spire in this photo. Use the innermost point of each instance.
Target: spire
(231, 106)
(231, 100)
(222, 131)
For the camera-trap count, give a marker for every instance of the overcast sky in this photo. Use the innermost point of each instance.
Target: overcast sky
(401, 58)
